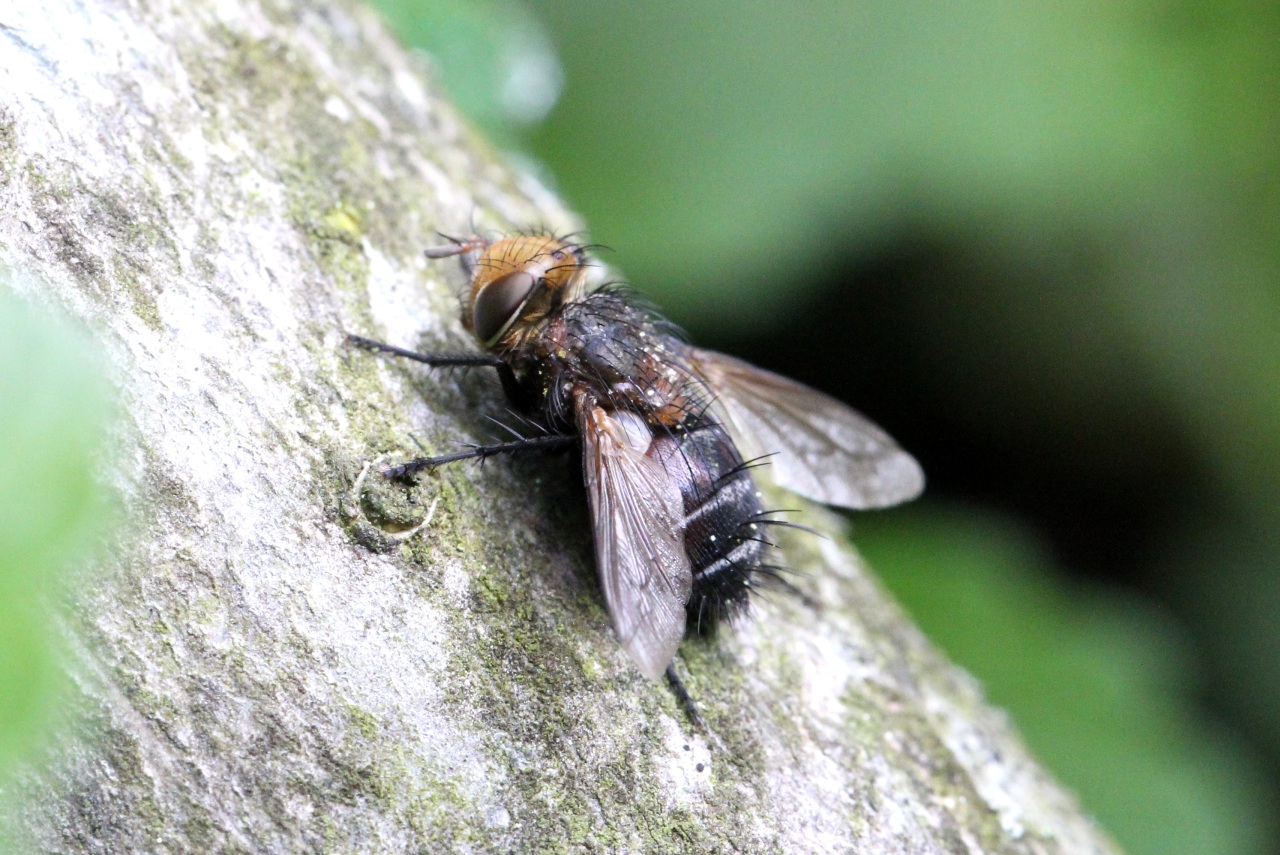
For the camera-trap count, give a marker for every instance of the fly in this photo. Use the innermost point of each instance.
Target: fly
(670, 435)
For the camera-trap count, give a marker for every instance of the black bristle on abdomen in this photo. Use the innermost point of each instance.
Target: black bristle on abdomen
(723, 526)
(722, 589)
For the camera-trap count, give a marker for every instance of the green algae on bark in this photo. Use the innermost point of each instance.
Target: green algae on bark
(262, 662)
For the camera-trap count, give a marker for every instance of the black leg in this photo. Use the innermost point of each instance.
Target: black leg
(682, 696)
(510, 385)
(436, 360)
(480, 452)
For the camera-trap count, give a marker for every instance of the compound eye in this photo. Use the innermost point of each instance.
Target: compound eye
(498, 303)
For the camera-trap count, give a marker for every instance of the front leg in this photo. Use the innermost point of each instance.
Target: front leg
(510, 384)
(435, 360)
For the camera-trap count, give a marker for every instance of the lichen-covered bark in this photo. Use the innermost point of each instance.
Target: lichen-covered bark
(219, 188)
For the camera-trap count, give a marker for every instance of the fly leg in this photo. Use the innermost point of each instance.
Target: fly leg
(464, 360)
(481, 452)
(682, 697)
(690, 708)
(510, 385)
(435, 360)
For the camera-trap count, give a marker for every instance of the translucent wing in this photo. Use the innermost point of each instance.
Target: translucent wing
(815, 445)
(637, 513)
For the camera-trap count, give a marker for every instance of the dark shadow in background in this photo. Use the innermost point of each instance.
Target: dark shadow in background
(898, 337)
(918, 337)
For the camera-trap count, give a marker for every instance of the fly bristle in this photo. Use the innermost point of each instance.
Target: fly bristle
(765, 519)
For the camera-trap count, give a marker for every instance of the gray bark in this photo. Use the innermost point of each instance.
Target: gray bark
(218, 188)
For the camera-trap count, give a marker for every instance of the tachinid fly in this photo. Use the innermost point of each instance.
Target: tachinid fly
(670, 437)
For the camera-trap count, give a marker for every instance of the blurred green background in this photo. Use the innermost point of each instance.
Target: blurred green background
(1038, 243)
(52, 510)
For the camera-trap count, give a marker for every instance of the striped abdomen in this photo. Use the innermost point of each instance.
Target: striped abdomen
(723, 518)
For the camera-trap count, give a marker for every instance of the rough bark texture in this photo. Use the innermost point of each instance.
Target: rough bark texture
(219, 187)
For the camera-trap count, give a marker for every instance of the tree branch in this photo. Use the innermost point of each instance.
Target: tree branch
(262, 661)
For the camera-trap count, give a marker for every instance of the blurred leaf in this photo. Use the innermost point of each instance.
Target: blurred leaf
(1229, 574)
(51, 442)
(493, 56)
(1099, 685)
(731, 142)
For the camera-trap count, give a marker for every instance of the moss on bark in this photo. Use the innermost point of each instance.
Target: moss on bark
(219, 189)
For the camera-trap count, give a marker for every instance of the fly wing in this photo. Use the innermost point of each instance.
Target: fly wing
(638, 513)
(814, 444)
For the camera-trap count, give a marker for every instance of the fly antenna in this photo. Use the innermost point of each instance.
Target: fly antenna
(456, 246)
